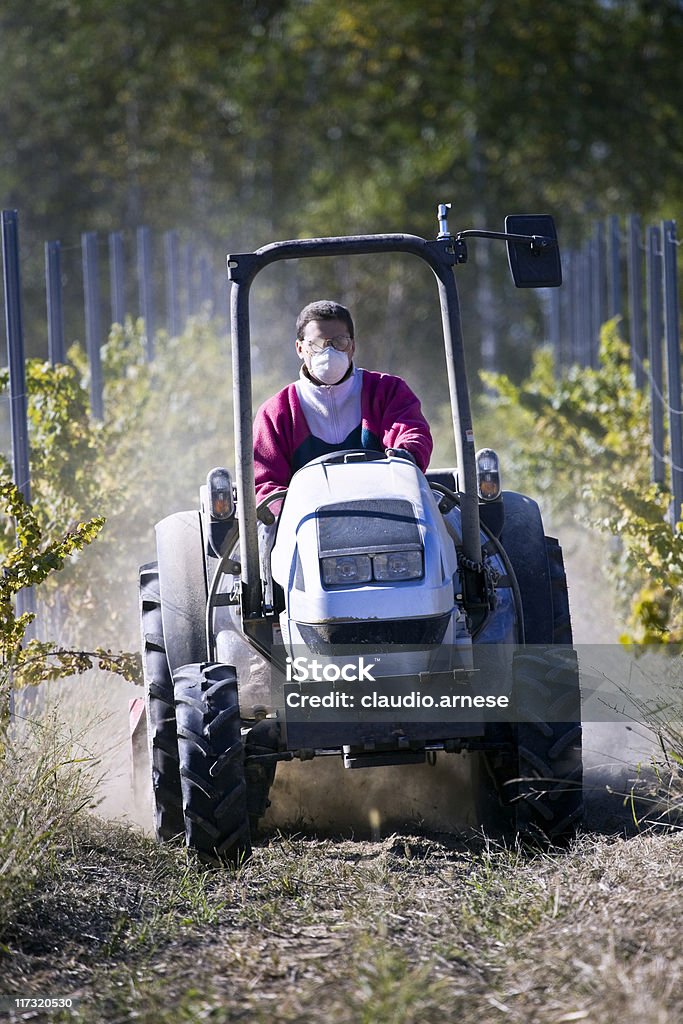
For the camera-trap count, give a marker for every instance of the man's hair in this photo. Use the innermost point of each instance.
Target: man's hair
(323, 309)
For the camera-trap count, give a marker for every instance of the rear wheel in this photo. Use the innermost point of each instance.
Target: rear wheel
(548, 800)
(212, 762)
(162, 738)
(538, 776)
(261, 741)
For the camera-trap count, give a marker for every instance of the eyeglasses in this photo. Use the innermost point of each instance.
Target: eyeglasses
(341, 344)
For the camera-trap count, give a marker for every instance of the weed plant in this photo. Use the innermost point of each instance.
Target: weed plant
(46, 783)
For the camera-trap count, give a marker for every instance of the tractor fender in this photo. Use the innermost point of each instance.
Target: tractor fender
(183, 588)
(523, 538)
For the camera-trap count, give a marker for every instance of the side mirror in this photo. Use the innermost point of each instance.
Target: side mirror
(534, 257)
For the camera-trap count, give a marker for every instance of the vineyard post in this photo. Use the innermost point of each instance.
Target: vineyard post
(593, 302)
(600, 292)
(565, 299)
(635, 292)
(581, 346)
(172, 298)
(205, 285)
(586, 287)
(56, 349)
(144, 265)
(553, 326)
(188, 275)
(653, 275)
(614, 307)
(673, 363)
(579, 318)
(17, 372)
(93, 335)
(117, 279)
(572, 327)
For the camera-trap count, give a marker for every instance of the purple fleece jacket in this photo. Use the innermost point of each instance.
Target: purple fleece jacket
(390, 418)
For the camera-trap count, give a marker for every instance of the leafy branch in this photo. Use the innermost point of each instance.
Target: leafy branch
(30, 563)
(587, 448)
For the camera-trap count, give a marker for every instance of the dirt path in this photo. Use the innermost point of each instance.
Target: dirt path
(410, 929)
(414, 926)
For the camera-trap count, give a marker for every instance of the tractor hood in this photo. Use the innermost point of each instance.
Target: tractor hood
(365, 541)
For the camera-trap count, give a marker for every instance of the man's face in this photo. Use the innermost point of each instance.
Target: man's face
(317, 333)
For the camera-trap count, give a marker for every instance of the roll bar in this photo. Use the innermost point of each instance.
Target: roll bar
(441, 254)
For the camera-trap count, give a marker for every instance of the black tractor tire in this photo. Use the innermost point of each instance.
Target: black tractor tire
(262, 740)
(562, 623)
(538, 777)
(526, 547)
(162, 739)
(548, 789)
(212, 762)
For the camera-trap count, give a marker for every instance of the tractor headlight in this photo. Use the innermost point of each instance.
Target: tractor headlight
(343, 570)
(219, 488)
(488, 474)
(348, 570)
(398, 565)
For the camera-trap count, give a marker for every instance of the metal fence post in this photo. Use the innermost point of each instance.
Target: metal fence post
(592, 328)
(613, 267)
(565, 312)
(56, 347)
(653, 275)
(589, 347)
(599, 293)
(172, 297)
(553, 326)
(673, 363)
(574, 319)
(188, 277)
(17, 372)
(93, 335)
(117, 278)
(206, 286)
(145, 288)
(635, 292)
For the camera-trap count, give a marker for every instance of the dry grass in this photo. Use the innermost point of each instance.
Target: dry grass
(46, 781)
(667, 793)
(410, 929)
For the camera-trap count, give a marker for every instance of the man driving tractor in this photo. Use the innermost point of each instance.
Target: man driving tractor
(334, 405)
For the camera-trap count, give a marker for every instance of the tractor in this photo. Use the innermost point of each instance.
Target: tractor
(393, 614)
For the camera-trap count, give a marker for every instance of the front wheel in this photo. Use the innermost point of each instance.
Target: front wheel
(212, 762)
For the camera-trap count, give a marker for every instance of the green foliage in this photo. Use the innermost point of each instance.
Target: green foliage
(29, 564)
(584, 444)
(166, 424)
(242, 123)
(378, 104)
(43, 788)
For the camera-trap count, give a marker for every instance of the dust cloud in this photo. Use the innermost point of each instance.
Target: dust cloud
(617, 754)
(322, 794)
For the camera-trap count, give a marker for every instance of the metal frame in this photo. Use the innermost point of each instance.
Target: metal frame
(441, 255)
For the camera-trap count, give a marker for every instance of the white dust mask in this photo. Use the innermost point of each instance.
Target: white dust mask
(329, 366)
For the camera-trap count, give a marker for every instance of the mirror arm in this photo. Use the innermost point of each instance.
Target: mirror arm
(537, 242)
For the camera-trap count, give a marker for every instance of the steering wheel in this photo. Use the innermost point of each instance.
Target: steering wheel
(347, 455)
(263, 509)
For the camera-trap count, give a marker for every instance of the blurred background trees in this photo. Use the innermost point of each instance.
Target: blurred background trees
(244, 121)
